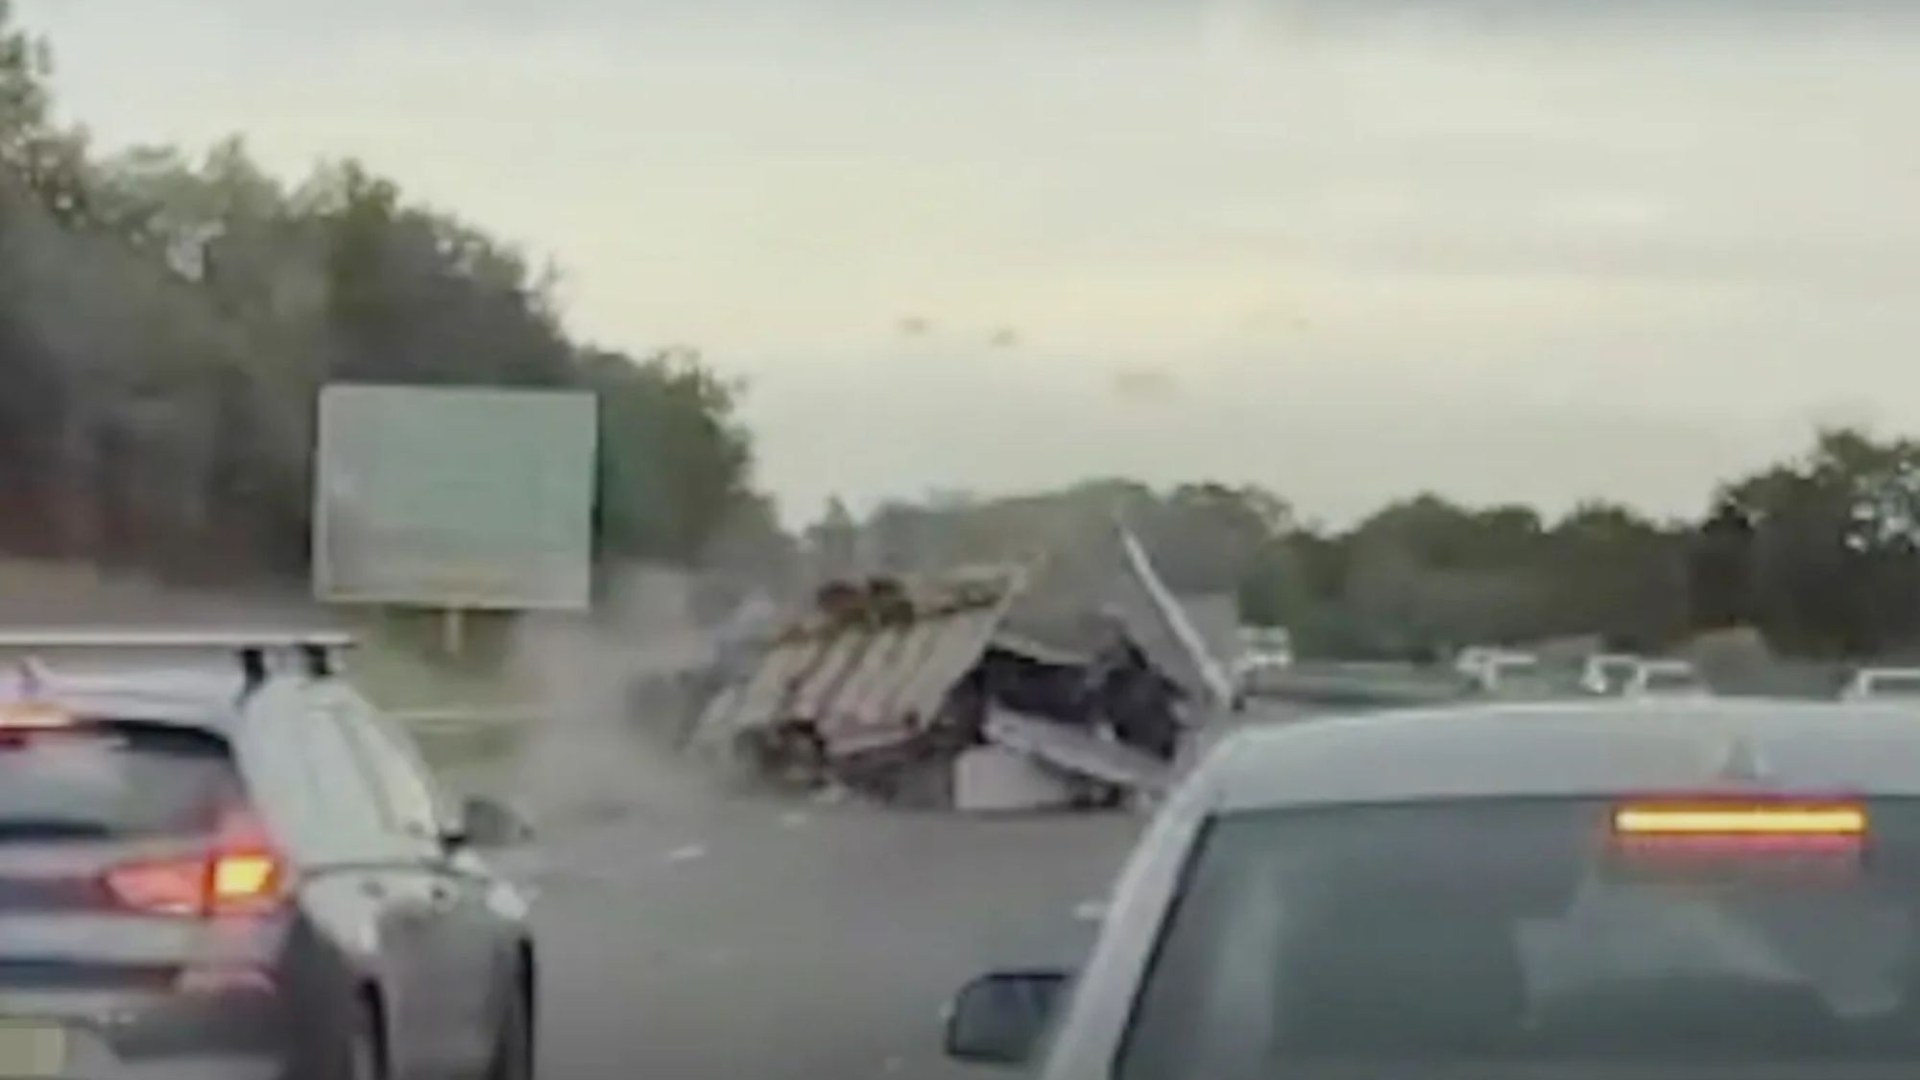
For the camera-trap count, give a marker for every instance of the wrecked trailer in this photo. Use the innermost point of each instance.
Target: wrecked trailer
(914, 691)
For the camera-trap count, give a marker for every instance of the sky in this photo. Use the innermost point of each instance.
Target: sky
(1506, 250)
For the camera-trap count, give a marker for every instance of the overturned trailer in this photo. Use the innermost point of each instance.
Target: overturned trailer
(971, 688)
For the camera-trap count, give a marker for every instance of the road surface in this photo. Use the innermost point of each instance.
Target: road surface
(769, 941)
(688, 931)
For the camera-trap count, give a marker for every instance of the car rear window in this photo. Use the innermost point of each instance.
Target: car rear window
(1521, 932)
(111, 780)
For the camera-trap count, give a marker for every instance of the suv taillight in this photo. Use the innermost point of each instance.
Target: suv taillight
(242, 874)
(232, 882)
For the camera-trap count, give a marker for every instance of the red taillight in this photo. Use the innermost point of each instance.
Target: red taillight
(226, 883)
(1763, 820)
(1810, 841)
(175, 887)
(242, 875)
(1736, 826)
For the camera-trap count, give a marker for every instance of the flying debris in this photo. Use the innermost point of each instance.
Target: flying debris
(915, 326)
(1004, 338)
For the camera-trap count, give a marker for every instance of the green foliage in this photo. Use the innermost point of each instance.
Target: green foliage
(1821, 554)
(1824, 551)
(167, 323)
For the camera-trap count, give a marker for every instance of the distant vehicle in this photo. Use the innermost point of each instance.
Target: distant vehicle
(1493, 670)
(1473, 659)
(1667, 678)
(1878, 683)
(242, 871)
(1552, 883)
(1266, 653)
(1608, 673)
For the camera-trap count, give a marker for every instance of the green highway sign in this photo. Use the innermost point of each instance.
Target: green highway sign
(456, 497)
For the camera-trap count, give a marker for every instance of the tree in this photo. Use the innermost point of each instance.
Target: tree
(833, 545)
(1206, 538)
(1720, 567)
(1830, 543)
(167, 322)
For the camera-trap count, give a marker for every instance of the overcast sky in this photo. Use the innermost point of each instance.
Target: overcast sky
(1349, 249)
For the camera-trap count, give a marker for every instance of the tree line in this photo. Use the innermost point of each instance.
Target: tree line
(167, 321)
(1820, 553)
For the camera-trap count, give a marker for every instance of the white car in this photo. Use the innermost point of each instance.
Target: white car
(1545, 889)
(1667, 678)
(1473, 660)
(1491, 670)
(1266, 654)
(1881, 683)
(1608, 673)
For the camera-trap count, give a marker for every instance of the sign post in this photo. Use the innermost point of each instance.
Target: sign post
(453, 632)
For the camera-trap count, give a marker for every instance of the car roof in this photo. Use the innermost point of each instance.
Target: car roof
(186, 697)
(1565, 749)
(189, 676)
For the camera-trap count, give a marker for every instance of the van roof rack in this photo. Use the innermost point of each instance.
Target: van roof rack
(316, 648)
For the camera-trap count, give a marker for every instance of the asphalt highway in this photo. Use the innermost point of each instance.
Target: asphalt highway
(687, 931)
(767, 941)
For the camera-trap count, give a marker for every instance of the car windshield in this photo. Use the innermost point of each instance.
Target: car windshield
(1521, 932)
(110, 781)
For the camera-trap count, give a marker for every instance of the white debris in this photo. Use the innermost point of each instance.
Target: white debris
(990, 778)
(688, 853)
(1090, 911)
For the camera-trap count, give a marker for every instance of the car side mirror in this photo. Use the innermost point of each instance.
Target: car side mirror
(488, 823)
(999, 1019)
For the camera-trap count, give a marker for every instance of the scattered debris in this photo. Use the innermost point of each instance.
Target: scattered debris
(941, 692)
(689, 853)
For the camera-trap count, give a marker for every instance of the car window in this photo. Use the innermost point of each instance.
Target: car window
(411, 800)
(1513, 930)
(327, 798)
(111, 780)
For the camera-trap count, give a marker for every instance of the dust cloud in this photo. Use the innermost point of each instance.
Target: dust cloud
(615, 704)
